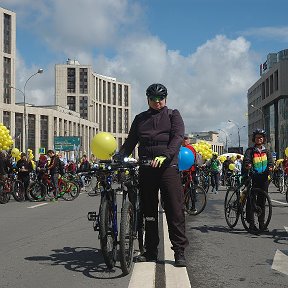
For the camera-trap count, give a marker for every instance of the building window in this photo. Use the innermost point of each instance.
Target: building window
(126, 118)
(114, 94)
(271, 84)
(119, 94)
(18, 142)
(100, 90)
(83, 81)
(7, 80)
(267, 87)
(263, 90)
(83, 107)
(7, 119)
(104, 91)
(109, 119)
(31, 132)
(44, 132)
(71, 80)
(126, 99)
(104, 118)
(7, 34)
(114, 120)
(120, 130)
(276, 80)
(96, 88)
(71, 102)
(109, 93)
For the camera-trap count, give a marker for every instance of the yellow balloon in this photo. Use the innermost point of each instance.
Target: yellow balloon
(286, 151)
(103, 145)
(15, 152)
(231, 167)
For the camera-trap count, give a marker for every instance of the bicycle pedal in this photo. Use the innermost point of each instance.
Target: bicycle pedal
(92, 216)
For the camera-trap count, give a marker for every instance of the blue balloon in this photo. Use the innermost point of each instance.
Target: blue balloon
(186, 158)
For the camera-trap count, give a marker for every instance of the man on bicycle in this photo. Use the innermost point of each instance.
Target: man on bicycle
(54, 169)
(159, 132)
(260, 160)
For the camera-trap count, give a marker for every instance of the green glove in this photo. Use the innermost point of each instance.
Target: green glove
(160, 160)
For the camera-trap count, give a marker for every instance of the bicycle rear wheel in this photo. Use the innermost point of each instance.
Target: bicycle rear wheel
(4, 196)
(36, 192)
(126, 237)
(195, 201)
(18, 191)
(108, 241)
(259, 216)
(231, 207)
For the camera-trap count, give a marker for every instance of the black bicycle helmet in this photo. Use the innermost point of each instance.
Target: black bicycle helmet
(156, 90)
(258, 131)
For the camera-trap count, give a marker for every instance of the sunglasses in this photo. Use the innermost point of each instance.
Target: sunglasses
(157, 98)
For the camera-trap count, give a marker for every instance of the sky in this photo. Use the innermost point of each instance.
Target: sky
(206, 52)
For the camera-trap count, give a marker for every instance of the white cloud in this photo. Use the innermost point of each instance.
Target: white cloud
(208, 87)
(276, 33)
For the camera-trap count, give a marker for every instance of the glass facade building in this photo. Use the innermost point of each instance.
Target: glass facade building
(268, 103)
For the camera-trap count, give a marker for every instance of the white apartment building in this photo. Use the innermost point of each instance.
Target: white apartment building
(85, 102)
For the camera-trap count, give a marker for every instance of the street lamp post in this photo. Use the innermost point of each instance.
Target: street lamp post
(25, 146)
(226, 142)
(238, 130)
(263, 116)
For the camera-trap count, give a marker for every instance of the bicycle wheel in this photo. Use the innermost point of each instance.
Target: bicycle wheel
(231, 207)
(287, 195)
(259, 216)
(70, 192)
(4, 196)
(36, 192)
(18, 191)
(87, 180)
(204, 182)
(108, 241)
(126, 237)
(281, 185)
(195, 201)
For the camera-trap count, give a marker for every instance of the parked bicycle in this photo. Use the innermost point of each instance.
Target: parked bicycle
(124, 177)
(195, 197)
(254, 220)
(43, 189)
(11, 186)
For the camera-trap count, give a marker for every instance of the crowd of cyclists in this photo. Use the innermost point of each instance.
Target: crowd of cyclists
(49, 168)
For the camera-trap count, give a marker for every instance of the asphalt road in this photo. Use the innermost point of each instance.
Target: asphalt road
(52, 245)
(221, 257)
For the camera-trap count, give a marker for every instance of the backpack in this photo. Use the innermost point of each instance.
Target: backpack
(61, 167)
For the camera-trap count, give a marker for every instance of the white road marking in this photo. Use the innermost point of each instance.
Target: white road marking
(175, 276)
(279, 202)
(143, 275)
(280, 262)
(38, 205)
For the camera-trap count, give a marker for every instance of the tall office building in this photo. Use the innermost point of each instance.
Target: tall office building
(268, 102)
(95, 97)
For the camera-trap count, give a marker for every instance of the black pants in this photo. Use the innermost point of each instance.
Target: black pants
(259, 181)
(215, 180)
(169, 182)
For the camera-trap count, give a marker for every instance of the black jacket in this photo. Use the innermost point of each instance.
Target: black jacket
(159, 133)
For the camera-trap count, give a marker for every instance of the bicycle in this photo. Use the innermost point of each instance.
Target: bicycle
(43, 189)
(125, 176)
(235, 205)
(195, 197)
(11, 185)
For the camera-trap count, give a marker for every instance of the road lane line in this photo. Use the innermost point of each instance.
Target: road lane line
(176, 277)
(38, 205)
(143, 275)
(279, 202)
(280, 262)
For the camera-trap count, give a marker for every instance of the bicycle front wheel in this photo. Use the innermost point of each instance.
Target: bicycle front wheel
(257, 212)
(231, 207)
(18, 191)
(70, 191)
(108, 241)
(195, 200)
(126, 237)
(36, 192)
